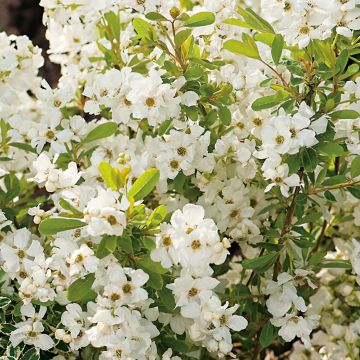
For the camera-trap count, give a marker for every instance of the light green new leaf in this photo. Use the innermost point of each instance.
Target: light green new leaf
(144, 29)
(240, 48)
(182, 36)
(154, 16)
(144, 184)
(200, 19)
(113, 21)
(157, 216)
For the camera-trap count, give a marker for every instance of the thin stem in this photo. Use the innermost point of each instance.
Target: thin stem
(287, 224)
(333, 187)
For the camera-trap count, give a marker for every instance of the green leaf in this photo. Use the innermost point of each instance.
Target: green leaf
(342, 60)
(182, 36)
(237, 22)
(260, 262)
(267, 102)
(241, 48)
(113, 21)
(267, 335)
(154, 16)
(80, 288)
(4, 301)
(335, 180)
(166, 301)
(200, 19)
(255, 21)
(147, 264)
(310, 218)
(224, 115)
(345, 114)
(309, 159)
(54, 225)
(155, 280)
(335, 264)
(23, 146)
(350, 71)
(157, 216)
(266, 38)
(107, 246)
(355, 167)
(67, 206)
(330, 149)
(144, 184)
(277, 48)
(100, 132)
(31, 354)
(144, 29)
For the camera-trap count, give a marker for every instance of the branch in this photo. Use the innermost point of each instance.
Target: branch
(333, 187)
(287, 224)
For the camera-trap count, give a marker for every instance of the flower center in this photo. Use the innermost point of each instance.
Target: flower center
(50, 134)
(193, 292)
(57, 103)
(258, 121)
(114, 297)
(174, 164)
(167, 241)
(21, 254)
(112, 220)
(127, 288)
(196, 244)
(304, 30)
(150, 102)
(181, 151)
(23, 274)
(279, 139)
(287, 6)
(223, 320)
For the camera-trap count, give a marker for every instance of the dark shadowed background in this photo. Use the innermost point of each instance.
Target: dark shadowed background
(24, 17)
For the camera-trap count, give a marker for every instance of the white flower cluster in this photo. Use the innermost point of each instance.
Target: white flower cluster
(300, 21)
(191, 244)
(184, 191)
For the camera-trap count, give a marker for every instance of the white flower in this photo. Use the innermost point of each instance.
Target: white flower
(82, 261)
(105, 213)
(190, 293)
(296, 326)
(30, 331)
(279, 177)
(283, 295)
(52, 178)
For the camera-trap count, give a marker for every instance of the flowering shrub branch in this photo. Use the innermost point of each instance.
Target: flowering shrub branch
(190, 189)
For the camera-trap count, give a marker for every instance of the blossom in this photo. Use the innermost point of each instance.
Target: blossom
(47, 175)
(292, 326)
(30, 330)
(283, 295)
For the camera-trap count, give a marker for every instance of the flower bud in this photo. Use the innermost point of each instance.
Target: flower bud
(174, 12)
